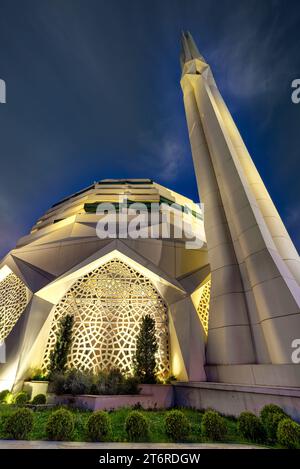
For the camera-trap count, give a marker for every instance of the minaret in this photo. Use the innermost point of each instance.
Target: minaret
(255, 268)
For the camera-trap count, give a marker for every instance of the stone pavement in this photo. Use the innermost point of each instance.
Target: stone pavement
(15, 444)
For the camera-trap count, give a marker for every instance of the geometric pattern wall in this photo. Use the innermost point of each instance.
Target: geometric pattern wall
(203, 306)
(108, 305)
(13, 299)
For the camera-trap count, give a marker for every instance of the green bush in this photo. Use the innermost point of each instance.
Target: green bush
(288, 433)
(177, 426)
(270, 409)
(57, 383)
(39, 399)
(77, 382)
(59, 354)
(60, 425)
(131, 385)
(250, 427)
(144, 361)
(22, 398)
(3, 395)
(113, 382)
(37, 374)
(98, 426)
(19, 424)
(213, 426)
(71, 382)
(271, 415)
(136, 426)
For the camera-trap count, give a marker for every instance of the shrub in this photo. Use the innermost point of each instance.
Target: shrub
(213, 426)
(271, 425)
(271, 415)
(19, 424)
(131, 386)
(60, 425)
(288, 433)
(36, 374)
(250, 427)
(83, 382)
(59, 354)
(39, 399)
(77, 382)
(72, 382)
(136, 426)
(177, 425)
(146, 348)
(57, 383)
(98, 426)
(22, 398)
(99, 386)
(270, 409)
(3, 395)
(114, 381)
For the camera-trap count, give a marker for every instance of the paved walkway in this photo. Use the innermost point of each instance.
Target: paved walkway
(14, 444)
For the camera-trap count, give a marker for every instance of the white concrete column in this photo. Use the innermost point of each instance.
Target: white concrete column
(254, 245)
(230, 338)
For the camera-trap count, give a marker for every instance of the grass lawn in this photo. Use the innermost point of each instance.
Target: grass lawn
(155, 418)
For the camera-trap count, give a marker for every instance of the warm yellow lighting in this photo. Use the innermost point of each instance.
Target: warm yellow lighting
(108, 304)
(203, 306)
(13, 299)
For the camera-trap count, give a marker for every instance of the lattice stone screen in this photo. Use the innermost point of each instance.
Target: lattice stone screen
(13, 299)
(108, 304)
(203, 306)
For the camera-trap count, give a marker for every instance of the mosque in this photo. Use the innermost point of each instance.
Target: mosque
(227, 310)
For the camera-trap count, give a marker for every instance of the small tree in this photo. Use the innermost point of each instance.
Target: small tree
(144, 361)
(59, 354)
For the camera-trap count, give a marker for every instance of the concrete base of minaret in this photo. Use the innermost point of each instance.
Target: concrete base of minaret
(254, 374)
(232, 399)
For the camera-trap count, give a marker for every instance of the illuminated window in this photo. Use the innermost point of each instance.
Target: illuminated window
(108, 305)
(203, 306)
(13, 299)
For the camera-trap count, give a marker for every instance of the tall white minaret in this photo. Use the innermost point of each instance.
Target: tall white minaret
(255, 268)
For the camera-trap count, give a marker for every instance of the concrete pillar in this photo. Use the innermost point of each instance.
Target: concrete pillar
(255, 240)
(230, 338)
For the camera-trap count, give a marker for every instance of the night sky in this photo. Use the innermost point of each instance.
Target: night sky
(93, 92)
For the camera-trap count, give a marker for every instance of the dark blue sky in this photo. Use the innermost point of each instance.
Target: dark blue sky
(93, 92)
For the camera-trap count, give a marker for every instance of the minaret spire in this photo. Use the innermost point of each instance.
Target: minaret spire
(255, 269)
(189, 50)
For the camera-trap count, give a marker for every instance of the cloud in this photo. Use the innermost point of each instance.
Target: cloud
(251, 55)
(165, 149)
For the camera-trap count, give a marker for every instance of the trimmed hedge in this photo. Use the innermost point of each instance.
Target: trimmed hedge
(136, 426)
(251, 427)
(22, 398)
(19, 424)
(39, 399)
(288, 433)
(271, 415)
(213, 426)
(177, 426)
(98, 426)
(60, 425)
(268, 410)
(3, 395)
